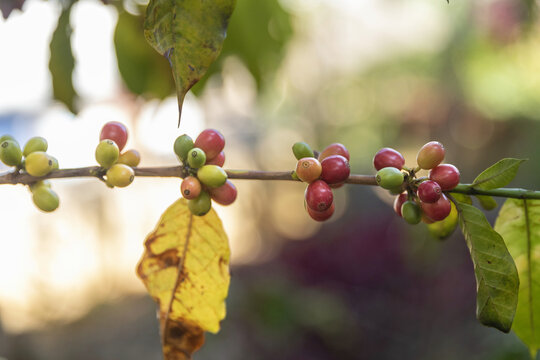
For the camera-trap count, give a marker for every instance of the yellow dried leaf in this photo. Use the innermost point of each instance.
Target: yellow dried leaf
(185, 268)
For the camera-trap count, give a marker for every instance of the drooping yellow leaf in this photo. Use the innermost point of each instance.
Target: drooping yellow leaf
(185, 268)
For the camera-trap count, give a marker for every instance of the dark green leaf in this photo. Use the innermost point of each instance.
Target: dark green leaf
(190, 34)
(487, 202)
(519, 225)
(496, 275)
(497, 175)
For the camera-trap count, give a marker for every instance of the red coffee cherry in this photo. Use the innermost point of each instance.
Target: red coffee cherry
(398, 202)
(191, 187)
(335, 169)
(438, 210)
(225, 194)
(334, 149)
(446, 175)
(430, 155)
(388, 157)
(219, 160)
(321, 215)
(211, 141)
(116, 132)
(308, 169)
(429, 191)
(319, 196)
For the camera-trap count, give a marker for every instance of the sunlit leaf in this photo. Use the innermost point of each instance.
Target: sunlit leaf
(190, 34)
(496, 275)
(520, 228)
(185, 268)
(497, 175)
(487, 202)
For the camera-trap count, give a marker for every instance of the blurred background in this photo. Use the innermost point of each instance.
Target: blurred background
(368, 74)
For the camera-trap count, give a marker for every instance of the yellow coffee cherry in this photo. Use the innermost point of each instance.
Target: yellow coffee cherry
(120, 175)
(130, 158)
(38, 164)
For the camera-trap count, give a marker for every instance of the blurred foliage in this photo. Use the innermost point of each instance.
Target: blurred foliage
(7, 6)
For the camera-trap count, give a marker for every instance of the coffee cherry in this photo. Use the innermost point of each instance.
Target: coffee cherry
(334, 149)
(398, 202)
(319, 196)
(430, 155)
(116, 132)
(302, 150)
(219, 160)
(437, 211)
(131, 158)
(335, 169)
(425, 219)
(120, 175)
(211, 142)
(45, 199)
(196, 158)
(388, 157)
(308, 169)
(107, 152)
(7, 137)
(444, 228)
(201, 205)
(321, 215)
(225, 194)
(212, 175)
(10, 153)
(191, 187)
(182, 145)
(411, 212)
(389, 178)
(38, 164)
(35, 144)
(446, 175)
(55, 165)
(429, 191)
(40, 183)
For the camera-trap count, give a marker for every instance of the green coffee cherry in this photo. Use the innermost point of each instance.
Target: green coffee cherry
(45, 198)
(55, 165)
(38, 163)
(182, 145)
(444, 228)
(107, 153)
(10, 153)
(302, 150)
(196, 158)
(7, 137)
(120, 175)
(212, 175)
(201, 205)
(41, 183)
(35, 144)
(389, 178)
(411, 212)
(294, 175)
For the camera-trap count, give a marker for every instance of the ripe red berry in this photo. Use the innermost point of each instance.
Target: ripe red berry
(446, 175)
(398, 202)
(219, 160)
(225, 194)
(116, 132)
(319, 196)
(211, 141)
(334, 149)
(438, 210)
(308, 169)
(430, 155)
(335, 169)
(388, 157)
(321, 215)
(429, 191)
(191, 187)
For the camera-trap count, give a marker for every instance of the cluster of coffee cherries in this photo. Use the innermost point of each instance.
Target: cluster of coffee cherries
(328, 170)
(421, 199)
(119, 166)
(34, 160)
(204, 178)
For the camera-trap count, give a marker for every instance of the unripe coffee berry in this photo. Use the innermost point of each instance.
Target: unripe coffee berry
(308, 169)
(430, 155)
(10, 153)
(107, 153)
(196, 158)
(191, 187)
(211, 141)
(334, 149)
(54, 160)
(446, 175)
(219, 160)
(302, 150)
(388, 157)
(398, 202)
(45, 199)
(444, 228)
(321, 215)
(429, 191)
(131, 158)
(411, 212)
(7, 137)
(319, 196)
(225, 194)
(116, 132)
(335, 169)
(120, 175)
(35, 144)
(45, 183)
(182, 145)
(389, 177)
(38, 164)
(212, 175)
(437, 211)
(201, 205)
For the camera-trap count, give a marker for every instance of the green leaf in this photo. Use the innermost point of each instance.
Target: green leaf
(487, 202)
(497, 175)
(519, 225)
(462, 198)
(62, 62)
(496, 275)
(190, 34)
